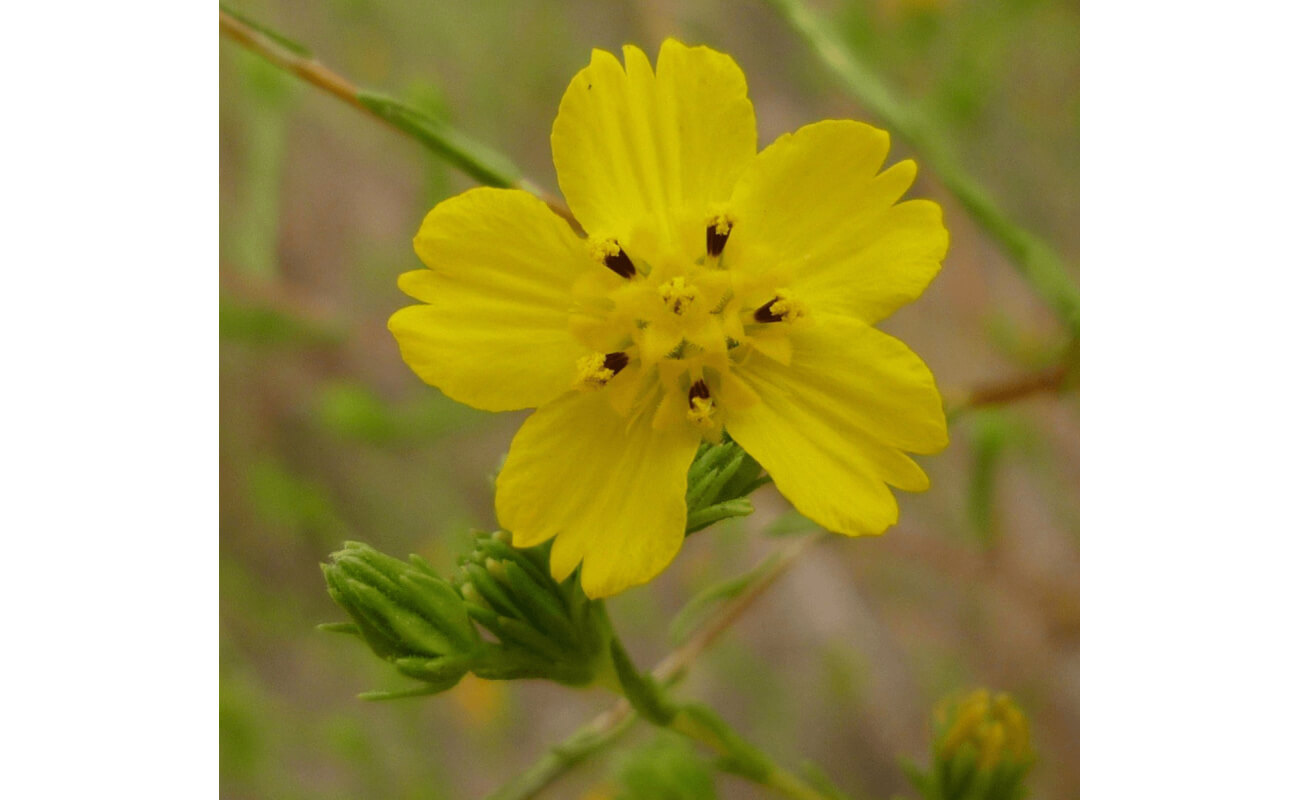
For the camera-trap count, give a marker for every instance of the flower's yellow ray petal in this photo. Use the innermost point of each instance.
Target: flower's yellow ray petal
(830, 426)
(635, 149)
(814, 206)
(494, 330)
(611, 492)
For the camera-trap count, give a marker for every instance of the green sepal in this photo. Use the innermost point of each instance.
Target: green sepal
(410, 628)
(418, 691)
(704, 517)
(491, 547)
(486, 585)
(543, 606)
(526, 636)
(339, 627)
(378, 636)
(641, 691)
(442, 605)
(444, 672)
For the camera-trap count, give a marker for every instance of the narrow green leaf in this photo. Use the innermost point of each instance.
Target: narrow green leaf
(339, 627)
(418, 691)
(699, 607)
(476, 160)
(641, 690)
(705, 517)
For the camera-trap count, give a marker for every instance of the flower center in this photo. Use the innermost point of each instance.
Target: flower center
(666, 328)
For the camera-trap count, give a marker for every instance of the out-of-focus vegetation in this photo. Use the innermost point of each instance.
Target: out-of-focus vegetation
(327, 436)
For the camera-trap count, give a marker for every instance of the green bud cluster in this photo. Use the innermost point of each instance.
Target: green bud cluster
(718, 484)
(406, 613)
(501, 615)
(432, 629)
(543, 629)
(981, 750)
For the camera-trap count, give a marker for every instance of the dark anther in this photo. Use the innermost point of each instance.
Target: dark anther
(699, 389)
(614, 362)
(717, 240)
(620, 263)
(764, 312)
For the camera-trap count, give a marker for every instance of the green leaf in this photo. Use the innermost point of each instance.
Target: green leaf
(791, 523)
(641, 691)
(485, 165)
(701, 606)
(703, 518)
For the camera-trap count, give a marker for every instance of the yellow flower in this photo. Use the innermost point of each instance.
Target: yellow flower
(718, 289)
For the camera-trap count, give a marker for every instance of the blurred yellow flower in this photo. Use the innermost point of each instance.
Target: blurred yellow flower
(718, 289)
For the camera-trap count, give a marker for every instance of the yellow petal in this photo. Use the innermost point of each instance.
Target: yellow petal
(494, 332)
(831, 426)
(812, 205)
(612, 491)
(634, 148)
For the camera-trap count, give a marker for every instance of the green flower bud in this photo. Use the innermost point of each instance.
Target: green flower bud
(406, 614)
(544, 629)
(718, 484)
(981, 750)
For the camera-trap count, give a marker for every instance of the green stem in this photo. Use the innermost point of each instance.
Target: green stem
(698, 722)
(562, 757)
(1040, 265)
(608, 726)
(739, 756)
(472, 157)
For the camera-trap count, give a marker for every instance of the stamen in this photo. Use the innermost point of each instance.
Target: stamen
(718, 232)
(596, 370)
(611, 254)
(677, 294)
(781, 308)
(700, 409)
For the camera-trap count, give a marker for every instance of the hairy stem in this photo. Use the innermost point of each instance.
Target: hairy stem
(1041, 266)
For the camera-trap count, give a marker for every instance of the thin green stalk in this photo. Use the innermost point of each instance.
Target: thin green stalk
(475, 159)
(700, 723)
(1041, 266)
(585, 741)
(604, 729)
(739, 756)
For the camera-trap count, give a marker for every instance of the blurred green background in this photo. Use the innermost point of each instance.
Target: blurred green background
(326, 435)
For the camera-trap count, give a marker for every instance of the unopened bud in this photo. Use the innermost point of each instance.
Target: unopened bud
(982, 748)
(718, 484)
(405, 613)
(544, 629)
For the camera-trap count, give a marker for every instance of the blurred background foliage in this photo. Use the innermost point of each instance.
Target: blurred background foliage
(326, 435)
